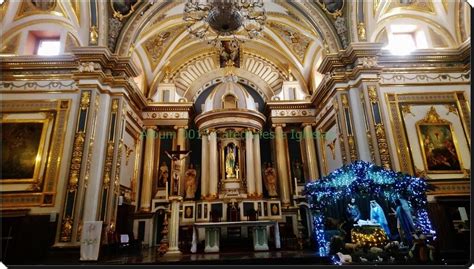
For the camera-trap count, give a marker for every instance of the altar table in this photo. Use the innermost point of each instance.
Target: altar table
(260, 240)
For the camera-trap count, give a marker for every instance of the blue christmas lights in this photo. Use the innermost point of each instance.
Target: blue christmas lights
(368, 179)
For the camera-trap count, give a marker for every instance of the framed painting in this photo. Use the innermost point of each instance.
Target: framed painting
(438, 145)
(274, 209)
(23, 149)
(189, 212)
(123, 8)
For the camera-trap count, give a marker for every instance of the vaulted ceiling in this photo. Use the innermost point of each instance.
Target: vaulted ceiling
(297, 35)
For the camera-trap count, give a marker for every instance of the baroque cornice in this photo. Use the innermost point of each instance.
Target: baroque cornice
(278, 105)
(172, 106)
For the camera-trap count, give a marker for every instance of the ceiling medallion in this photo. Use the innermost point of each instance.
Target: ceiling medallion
(212, 20)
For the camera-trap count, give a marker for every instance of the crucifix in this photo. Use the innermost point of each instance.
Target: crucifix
(175, 157)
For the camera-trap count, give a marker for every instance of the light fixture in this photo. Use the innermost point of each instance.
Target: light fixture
(212, 20)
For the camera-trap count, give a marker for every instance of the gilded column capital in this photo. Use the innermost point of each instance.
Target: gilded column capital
(282, 125)
(152, 127)
(176, 127)
(204, 132)
(304, 124)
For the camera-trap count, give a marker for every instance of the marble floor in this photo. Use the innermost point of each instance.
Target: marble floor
(150, 257)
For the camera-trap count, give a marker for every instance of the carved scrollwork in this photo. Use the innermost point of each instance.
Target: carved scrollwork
(66, 229)
(76, 162)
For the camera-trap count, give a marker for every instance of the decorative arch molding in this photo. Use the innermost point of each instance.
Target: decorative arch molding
(420, 19)
(263, 76)
(215, 77)
(319, 21)
(144, 15)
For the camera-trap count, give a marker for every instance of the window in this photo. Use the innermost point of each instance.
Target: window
(48, 47)
(404, 39)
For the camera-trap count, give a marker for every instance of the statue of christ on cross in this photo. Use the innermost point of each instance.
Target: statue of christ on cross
(175, 157)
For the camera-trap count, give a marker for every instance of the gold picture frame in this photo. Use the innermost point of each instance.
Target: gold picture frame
(438, 145)
(27, 154)
(123, 8)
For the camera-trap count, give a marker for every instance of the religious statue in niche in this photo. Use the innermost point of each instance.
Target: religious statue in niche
(298, 171)
(163, 175)
(229, 50)
(190, 181)
(270, 180)
(231, 161)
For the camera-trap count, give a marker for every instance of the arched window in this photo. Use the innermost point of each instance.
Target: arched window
(229, 101)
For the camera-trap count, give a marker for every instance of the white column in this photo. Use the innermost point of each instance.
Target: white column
(145, 204)
(173, 227)
(257, 164)
(181, 142)
(249, 157)
(205, 166)
(360, 131)
(94, 185)
(213, 169)
(310, 152)
(282, 166)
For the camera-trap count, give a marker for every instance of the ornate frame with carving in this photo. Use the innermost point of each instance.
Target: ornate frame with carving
(433, 119)
(394, 103)
(44, 196)
(117, 14)
(41, 155)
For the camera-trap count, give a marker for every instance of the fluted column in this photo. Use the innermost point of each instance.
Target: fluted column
(282, 166)
(257, 164)
(174, 226)
(310, 152)
(213, 164)
(249, 157)
(204, 165)
(181, 142)
(148, 169)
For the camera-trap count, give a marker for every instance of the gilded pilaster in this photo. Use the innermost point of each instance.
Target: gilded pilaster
(109, 160)
(349, 127)
(340, 131)
(379, 129)
(70, 219)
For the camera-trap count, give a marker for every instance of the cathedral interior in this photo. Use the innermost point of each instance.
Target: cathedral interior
(192, 130)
